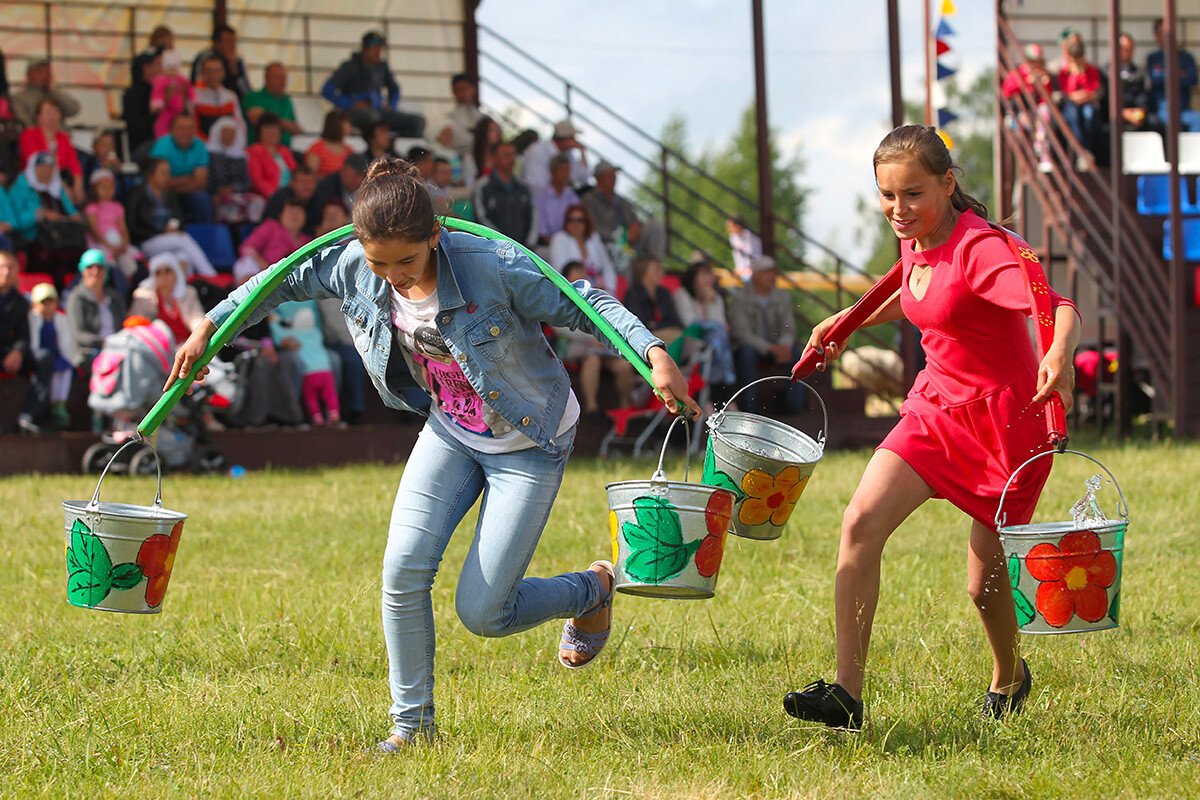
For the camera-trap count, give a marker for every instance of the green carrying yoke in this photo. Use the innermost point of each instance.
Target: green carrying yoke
(281, 270)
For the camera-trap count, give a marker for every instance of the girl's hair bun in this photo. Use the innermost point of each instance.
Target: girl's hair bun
(391, 165)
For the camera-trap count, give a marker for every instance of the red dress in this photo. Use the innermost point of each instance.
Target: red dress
(968, 423)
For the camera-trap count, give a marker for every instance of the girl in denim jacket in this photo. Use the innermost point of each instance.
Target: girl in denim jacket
(460, 317)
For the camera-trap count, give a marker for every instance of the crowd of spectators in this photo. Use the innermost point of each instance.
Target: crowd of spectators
(1080, 89)
(121, 234)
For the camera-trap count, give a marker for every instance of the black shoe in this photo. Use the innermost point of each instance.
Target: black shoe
(825, 702)
(998, 706)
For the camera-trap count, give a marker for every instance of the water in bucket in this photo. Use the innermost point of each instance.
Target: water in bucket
(668, 537)
(120, 556)
(764, 463)
(1066, 576)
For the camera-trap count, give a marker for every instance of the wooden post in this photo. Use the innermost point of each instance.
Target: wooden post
(766, 205)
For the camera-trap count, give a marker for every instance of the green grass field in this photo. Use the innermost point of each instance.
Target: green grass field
(265, 675)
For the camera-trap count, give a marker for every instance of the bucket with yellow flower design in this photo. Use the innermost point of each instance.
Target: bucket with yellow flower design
(120, 556)
(1066, 576)
(668, 537)
(764, 463)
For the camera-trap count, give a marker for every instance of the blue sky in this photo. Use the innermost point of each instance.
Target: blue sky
(827, 74)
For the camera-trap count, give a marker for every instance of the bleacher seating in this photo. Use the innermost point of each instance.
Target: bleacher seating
(1143, 153)
(1191, 239)
(1154, 196)
(1189, 155)
(217, 243)
(27, 280)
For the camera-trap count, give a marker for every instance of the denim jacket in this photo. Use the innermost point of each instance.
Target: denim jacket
(492, 303)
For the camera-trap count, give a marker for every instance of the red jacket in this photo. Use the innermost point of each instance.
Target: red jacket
(264, 172)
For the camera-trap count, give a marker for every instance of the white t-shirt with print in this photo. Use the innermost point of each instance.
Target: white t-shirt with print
(455, 403)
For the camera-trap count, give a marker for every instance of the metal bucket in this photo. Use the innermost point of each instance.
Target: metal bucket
(1065, 579)
(668, 537)
(119, 556)
(765, 463)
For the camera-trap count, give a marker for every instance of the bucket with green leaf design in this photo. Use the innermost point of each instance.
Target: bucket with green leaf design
(1065, 576)
(668, 537)
(120, 556)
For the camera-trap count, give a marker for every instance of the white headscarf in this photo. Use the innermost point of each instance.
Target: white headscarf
(235, 150)
(166, 260)
(54, 186)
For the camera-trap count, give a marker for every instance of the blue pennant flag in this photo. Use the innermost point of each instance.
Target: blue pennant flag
(943, 71)
(945, 117)
(944, 29)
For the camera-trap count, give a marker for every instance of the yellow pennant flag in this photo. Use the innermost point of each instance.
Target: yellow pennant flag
(948, 8)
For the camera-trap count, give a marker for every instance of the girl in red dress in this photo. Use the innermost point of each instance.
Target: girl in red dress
(973, 415)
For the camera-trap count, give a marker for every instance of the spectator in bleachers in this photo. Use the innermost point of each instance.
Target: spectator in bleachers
(187, 159)
(579, 241)
(135, 102)
(1189, 118)
(744, 245)
(94, 310)
(617, 220)
(1080, 84)
(50, 381)
(302, 186)
(442, 189)
(165, 294)
(363, 86)
(10, 129)
(296, 326)
(457, 130)
(580, 347)
(762, 328)
(1135, 93)
(212, 99)
(700, 301)
(553, 201)
(15, 354)
(1028, 77)
(161, 39)
(39, 84)
(48, 136)
(379, 140)
(537, 157)
(269, 161)
(107, 231)
(333, 216)
(339, 186)
(650, 301)
(421, 158)
(103, 156)
(229, 176)
(171, 94)
(45, 217)
(326, 155)
(347, 363)
(503, 202)
(233, 69)
(273, 98)
(477, 164)
(272, 241)
(154, 218)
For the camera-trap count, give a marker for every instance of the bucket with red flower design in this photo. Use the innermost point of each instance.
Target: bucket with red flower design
(1066, 576)
(764, 463)
(120, 556)
(668, 537)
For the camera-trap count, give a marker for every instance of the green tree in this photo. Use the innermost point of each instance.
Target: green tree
(698, 205)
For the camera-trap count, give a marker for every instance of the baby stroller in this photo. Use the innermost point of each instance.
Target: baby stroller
(127, 379)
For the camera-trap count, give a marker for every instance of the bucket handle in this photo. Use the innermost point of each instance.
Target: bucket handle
(136, 440)
(661, 476)
(715, 420)
(1122, 509)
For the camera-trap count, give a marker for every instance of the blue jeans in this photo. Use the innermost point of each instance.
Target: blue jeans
(1083, 121)
(197, 207)
(348, 367)
(493, 598)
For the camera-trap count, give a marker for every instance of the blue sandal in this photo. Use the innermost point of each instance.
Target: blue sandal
(589, 644)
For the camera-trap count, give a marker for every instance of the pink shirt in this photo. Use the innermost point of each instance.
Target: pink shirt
(272, 241)
(169, 108)
(108, 214)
